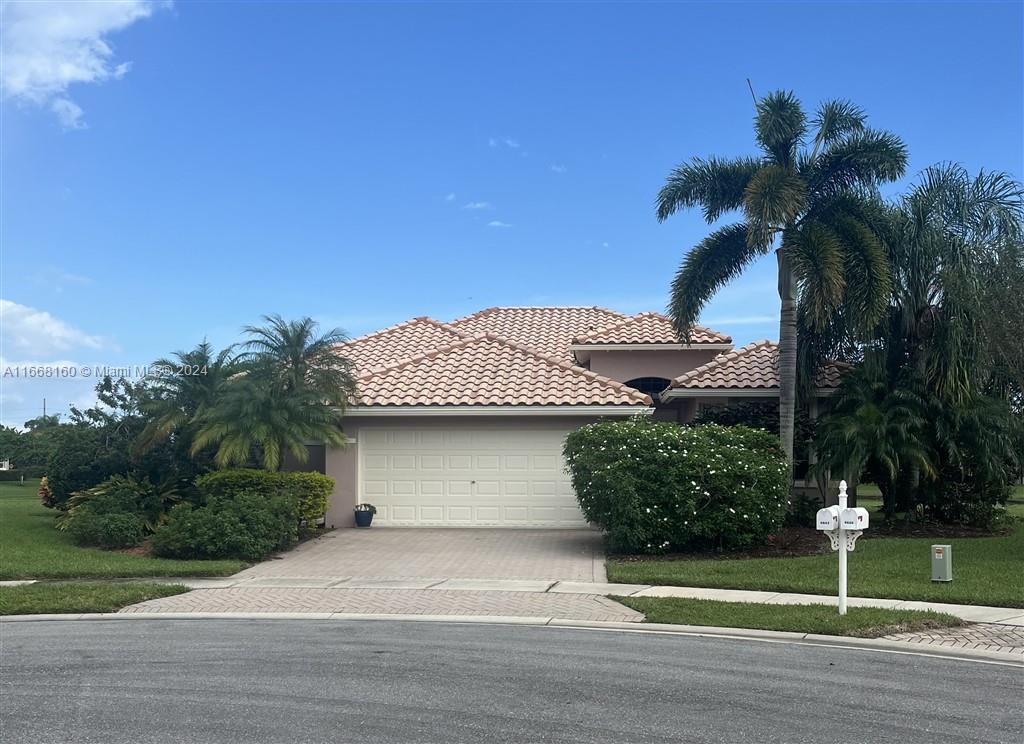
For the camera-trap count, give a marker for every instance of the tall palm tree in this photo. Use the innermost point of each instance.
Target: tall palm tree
(175, 401)
(294, 390)
(809, 200)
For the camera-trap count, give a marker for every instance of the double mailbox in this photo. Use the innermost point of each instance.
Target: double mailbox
(833, 518)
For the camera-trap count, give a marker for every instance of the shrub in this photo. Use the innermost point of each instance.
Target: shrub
(310, 491)
(45, 494)
(80, 460)
(111, 530)
(658, 487)
(249, 526)
(121, 494)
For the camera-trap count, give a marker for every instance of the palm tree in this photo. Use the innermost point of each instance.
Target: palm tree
(294, 390)
(955, 244)
(254, 416)
(300, 359)
(876, 430)
(811, 202)
(188, 385)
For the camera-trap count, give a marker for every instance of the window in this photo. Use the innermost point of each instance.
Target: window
(650, 385)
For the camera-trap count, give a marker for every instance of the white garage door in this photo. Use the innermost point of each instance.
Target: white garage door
(466, 477)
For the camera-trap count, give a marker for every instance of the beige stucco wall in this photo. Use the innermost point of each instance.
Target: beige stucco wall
(628, 365)
(343, 463)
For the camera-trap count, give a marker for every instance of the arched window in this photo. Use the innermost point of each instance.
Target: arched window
(650, 385)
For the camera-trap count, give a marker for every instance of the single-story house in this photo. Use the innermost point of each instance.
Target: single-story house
(461, 424)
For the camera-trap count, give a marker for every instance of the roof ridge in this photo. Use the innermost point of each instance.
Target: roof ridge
(494, 308)
(622, 322)
(462, 340)
(720, 359)
(403, 324)
(466, 340)
(606, 328)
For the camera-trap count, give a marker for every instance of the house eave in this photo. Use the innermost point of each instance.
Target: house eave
(582, 351)
(611, 410)
(729, 392)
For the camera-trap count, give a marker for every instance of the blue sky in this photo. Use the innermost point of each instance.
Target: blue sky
(365, 163)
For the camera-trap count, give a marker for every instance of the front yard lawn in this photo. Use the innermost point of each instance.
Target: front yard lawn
(33, 599)
(986, 571)
(30, 547)
(863, 622)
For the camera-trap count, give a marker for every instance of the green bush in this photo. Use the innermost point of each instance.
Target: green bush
(110, 530)
(249, 526)
(656, 487)
(121, 494)
(80, 460)
(310, 491)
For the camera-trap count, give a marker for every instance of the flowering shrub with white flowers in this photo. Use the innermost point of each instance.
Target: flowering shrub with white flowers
(656, 487)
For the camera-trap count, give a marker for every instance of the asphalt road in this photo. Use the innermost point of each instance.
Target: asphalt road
(215, 681)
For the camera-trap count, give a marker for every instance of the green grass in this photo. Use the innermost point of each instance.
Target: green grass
(35, 599)
(986, 571)
(863, 622)
(30, 547)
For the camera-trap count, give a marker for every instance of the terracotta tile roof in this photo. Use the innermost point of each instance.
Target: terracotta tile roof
(648, 328)
(549, 330)
(486, 370)
(755, 366)
(398, 342)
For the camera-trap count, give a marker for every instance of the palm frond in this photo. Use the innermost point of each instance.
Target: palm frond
(861, 159)
(817, 255)
(710, 265)
(780, 125)
(774, 198)
(835, 119)
(716, 185)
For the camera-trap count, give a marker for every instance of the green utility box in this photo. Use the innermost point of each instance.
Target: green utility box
(942, 563)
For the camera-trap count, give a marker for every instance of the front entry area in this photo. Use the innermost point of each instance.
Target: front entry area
(467, 476)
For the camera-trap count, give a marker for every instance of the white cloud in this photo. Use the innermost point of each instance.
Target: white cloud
(450, 197)
(556, 168)
(505, 141)
(25, 330)
(48, 46)
(477, 205)
(498, 223)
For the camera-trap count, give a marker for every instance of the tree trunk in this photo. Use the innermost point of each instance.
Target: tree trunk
(787, 355)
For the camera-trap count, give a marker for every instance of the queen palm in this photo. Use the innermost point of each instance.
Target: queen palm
(807, 195)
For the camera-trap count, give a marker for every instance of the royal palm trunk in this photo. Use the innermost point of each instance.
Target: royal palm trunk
(787, 355)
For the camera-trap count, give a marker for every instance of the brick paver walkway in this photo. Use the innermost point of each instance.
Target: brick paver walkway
(566, 555)
(394, 602)
(980, 636)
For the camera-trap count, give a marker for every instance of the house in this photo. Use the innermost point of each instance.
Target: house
(461, 424)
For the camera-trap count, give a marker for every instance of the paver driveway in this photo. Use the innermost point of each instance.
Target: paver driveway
(395, 553)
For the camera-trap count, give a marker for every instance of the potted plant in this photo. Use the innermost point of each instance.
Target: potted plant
(364, 514)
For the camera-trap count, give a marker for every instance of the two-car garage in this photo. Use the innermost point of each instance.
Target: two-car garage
(467, 476)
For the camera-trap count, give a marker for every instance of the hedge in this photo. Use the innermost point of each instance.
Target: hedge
(310, 491)
(249, 526)
(656, 487)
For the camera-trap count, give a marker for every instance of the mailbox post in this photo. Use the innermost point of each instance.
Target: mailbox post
(843, 526)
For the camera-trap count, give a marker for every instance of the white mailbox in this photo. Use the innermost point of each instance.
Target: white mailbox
(828, 518)
(855, 518)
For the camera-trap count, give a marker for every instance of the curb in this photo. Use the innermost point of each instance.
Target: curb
(878, 645)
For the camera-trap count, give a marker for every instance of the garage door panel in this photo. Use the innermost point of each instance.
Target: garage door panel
(467, 476)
